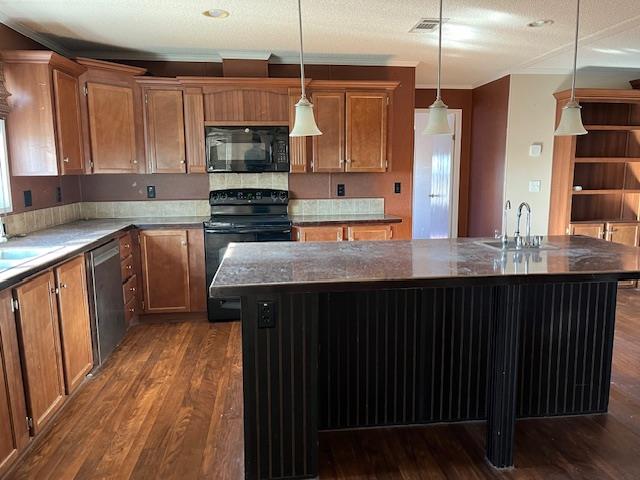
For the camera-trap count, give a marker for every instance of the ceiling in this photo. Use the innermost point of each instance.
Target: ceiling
(483, 39)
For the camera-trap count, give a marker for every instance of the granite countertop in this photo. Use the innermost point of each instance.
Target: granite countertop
(56, 244)
(299, 266)
(319, 220)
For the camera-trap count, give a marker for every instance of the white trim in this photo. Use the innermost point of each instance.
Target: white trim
(326, 59)
(5, 180)
(146, 56)
(244, 55)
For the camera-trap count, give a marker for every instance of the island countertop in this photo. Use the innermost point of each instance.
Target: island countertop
(253, 267)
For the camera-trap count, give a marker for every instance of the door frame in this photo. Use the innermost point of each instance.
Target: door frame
(455, 187)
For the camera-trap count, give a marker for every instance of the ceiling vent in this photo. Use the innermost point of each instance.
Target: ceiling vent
(427, 25)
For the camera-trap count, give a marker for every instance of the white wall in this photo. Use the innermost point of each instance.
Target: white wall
(531, 119)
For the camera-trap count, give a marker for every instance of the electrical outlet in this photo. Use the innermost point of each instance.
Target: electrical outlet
(397, 187)
(151, 191)
(534, 186)
(266, 314)
(28, 199)
(341, 189)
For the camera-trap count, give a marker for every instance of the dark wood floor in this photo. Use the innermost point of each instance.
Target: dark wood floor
(169, 405)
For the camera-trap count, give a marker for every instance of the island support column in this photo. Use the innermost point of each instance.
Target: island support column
(503, 374)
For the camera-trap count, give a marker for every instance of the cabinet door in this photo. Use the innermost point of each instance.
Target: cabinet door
(69, 130)
(14, 433)
(164, 127)
(319, 234)
(194, 131)
(366, 131)
(328, 148)
(595, 230)
(165, 270)
(112, 128)
(297, 145)
(197, 278)
(41, 355)
(369, 232)
(75, 329)
(624, 233)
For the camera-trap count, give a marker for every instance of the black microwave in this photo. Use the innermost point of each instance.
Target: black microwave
(247, 149)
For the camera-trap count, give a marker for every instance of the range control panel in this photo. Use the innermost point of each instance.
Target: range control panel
(247, 196)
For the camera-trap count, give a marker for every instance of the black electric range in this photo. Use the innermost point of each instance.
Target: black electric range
(241, 215)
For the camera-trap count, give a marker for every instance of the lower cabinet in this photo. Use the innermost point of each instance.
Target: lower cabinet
(14, 430)
(39, 333)
(173, 270)
(337, 233)
(75, 326)
(595, 230)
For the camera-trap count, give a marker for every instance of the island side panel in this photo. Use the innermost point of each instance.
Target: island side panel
(280, 387)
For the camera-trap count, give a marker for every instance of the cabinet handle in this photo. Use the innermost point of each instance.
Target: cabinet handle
(182, 162)
(132, 289)
(135, 162)
(63, 285)
(65, 159)
(129, 267)
(183, 243)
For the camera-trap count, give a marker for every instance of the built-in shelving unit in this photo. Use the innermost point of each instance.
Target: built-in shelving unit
(596, 177)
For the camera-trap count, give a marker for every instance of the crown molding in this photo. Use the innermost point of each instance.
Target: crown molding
(244, 55)
(149, 57)
(36, 37)
(317, 59)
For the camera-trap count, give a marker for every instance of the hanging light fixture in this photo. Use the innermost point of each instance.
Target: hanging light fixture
(571, 119)
(438, 123)
(305, 123)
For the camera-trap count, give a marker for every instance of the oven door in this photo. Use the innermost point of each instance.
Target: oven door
(216, 243)
(247, 149)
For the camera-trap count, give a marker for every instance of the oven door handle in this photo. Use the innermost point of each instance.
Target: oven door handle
(247, 230)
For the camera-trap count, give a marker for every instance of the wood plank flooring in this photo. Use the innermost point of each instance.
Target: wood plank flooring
(169, 405)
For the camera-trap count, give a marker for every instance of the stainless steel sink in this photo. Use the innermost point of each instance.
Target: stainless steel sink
(511, 246)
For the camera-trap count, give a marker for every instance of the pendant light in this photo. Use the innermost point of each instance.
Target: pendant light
(438, 123)
(571, 119)
(305, 123)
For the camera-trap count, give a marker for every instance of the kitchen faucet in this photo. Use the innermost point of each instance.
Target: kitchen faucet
(518, 238)
(504, 237)
(3, 233)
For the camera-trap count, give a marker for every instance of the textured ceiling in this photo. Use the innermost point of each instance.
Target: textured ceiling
(483, 39)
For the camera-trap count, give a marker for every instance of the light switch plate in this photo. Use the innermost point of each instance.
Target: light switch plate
(535, 149)
(534, 186)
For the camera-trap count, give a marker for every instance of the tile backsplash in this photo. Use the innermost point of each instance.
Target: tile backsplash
(153, 208)
(275, 180)
(22, 223)
(337, 206)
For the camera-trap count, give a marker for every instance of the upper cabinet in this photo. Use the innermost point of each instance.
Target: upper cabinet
(113, 111)
(44, 126)
(355, 121)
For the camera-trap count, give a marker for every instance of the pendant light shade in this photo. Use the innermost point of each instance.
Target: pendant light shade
(438, 122)
(304, 124)
(571, 118)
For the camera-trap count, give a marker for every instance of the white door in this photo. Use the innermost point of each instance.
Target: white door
(436, 179)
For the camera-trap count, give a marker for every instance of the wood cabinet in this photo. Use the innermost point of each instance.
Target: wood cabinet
(165, 270)
(624, 233)
(595, 230)
(69, 132)
(14, 431)
(39, 334)
(130, 271)
(112, 128)
(328, 148)
(366, 131)
(164, 130)
(43, 127)
(194, 130)
(173, 270)
(369, 232)
(298, 146)
(319, 234)
(75, 328)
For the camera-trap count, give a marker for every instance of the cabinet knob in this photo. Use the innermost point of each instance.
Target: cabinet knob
(182, 162)
(132, 289)
(126, 245)
(183, 243)
(135, 162)
(63, 285)
(129, 267)
(65, 159)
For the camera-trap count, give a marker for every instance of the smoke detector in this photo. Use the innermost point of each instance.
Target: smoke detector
(427, 25)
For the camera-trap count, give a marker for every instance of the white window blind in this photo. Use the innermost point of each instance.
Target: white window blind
(5, 189)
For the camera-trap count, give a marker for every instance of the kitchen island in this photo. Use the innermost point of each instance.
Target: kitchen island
(364, 334)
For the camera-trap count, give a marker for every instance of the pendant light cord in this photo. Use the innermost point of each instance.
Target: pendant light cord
(304, 93)
(439, 51)
(575, 54)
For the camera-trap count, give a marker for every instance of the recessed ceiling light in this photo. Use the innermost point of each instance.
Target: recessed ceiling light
(540, 23)
(216, 13)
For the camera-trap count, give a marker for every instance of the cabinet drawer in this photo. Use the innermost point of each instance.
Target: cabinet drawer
(127, 268)
(125, 246)
(130, 310)
(129, 289)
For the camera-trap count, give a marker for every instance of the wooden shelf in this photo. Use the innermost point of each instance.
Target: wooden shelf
(612, 127)
(606, 159)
